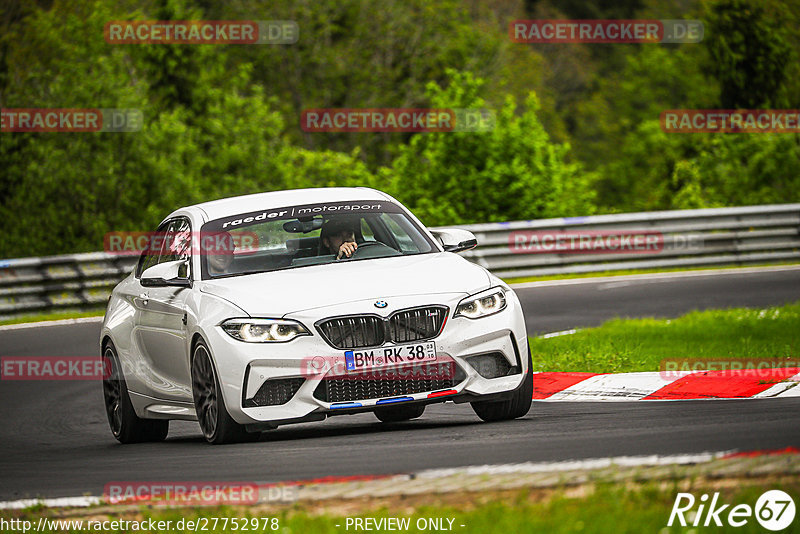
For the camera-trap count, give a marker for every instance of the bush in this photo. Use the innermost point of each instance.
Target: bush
(512, 172)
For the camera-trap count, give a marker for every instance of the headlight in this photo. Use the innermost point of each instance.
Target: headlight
(264, 330)
(483, 304)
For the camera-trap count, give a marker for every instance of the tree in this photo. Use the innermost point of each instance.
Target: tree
(64, 191)
(367, 54)
(749, 53)
(511, 172)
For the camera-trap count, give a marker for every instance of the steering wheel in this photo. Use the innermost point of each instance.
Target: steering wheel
(369, 246)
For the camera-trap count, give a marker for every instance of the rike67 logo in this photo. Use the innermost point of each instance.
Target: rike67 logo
(774, 510)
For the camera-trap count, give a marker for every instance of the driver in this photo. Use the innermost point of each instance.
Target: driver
(219, 247)
(337, 237)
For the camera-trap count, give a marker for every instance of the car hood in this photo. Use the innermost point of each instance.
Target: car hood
(277, 293)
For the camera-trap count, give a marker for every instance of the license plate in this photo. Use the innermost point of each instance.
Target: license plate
(356, 360)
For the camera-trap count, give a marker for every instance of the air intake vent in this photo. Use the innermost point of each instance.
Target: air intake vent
(492, 365)
(383, 383)
(275, 392)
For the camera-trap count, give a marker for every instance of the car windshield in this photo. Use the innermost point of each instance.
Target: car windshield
(299, 236)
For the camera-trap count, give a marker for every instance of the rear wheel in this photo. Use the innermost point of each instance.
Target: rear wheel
(216, 423)
(126, 426)
(516, 406)
(399, 413)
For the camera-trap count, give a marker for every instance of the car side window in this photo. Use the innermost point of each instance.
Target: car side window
(177, 243)
(150, 256)
(171, 241)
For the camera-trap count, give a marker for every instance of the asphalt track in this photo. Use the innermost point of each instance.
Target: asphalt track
(55, 442)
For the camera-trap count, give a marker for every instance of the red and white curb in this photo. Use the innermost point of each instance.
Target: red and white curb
(685, 385)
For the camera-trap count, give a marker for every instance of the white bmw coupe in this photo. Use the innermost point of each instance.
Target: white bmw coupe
(251, 312)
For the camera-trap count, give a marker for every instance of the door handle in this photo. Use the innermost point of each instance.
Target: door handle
(145, 298)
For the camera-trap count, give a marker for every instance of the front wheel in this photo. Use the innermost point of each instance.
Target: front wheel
(126, 426)
(516, 406)
(216, 423)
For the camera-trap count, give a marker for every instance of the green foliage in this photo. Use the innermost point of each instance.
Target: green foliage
(367, 54)
(512, 172)
(750, 169)
(577, 127)
(659, 170)
(749, 55)
(652, 79)
(745, 60)
(308, 168)
(64, 191)
(633, 345)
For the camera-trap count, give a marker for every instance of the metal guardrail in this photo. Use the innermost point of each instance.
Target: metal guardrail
(82, 281)
(689, 238)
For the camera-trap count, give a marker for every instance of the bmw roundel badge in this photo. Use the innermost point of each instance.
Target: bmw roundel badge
(381, 304)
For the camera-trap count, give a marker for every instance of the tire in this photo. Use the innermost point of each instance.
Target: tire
(399, 413)
(125, 425)
(216, 423)
(516, 406)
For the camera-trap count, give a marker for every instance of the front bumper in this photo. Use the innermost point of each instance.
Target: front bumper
(244, 367)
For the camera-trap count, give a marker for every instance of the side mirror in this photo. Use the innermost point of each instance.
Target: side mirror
(169, 273)
(455, 240)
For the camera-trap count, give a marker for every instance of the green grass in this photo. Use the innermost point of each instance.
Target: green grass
(525, 279)
(34, 318)
(600, 509)
(629, 345)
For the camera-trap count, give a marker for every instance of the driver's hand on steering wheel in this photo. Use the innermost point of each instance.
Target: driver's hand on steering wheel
(347, 249)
